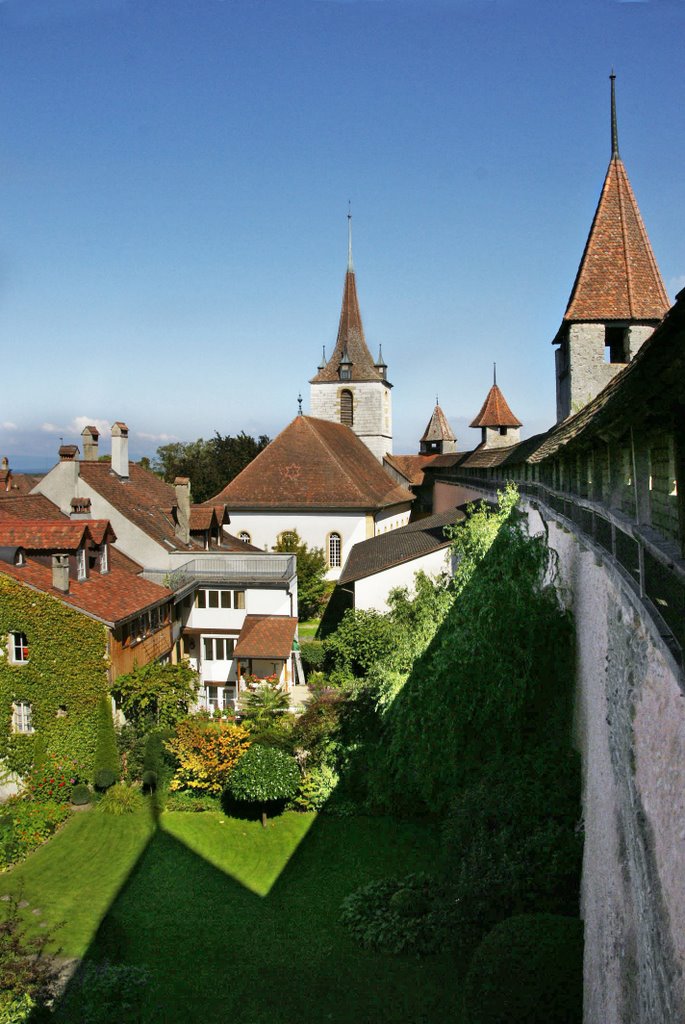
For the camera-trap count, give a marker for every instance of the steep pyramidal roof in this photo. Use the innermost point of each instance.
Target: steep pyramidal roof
(312, 464)
(350, 346)
(438, 428)
(618, 277)
(495, 412)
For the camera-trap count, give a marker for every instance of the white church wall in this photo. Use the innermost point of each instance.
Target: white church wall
(371, 593)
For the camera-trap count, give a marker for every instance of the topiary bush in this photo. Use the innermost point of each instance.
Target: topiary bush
(121, 799)
(264, 776)
(80, 795)
(106, 754)
(398, 915)
(527, 970)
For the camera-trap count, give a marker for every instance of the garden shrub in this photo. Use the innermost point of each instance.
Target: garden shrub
(28, 975)
(192, 801)
(80, 795)
(106, 771)
(121, 799)
(315, 788)
(312, 654)
(316, 731)
(53, 779)
(26, 824)
(398, 915)
(528, 970)
(363, 639)
(206, 753)
(105, 993)
(156, 758)
(17, 1009)
(264, 775)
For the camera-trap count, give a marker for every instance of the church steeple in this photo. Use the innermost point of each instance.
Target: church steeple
(618, 296)
(350, 387)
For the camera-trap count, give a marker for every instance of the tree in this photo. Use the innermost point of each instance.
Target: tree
(362, 640)
(156, 694)
(106, 754)
(264, 776)
(311, 573)
(211, 464)
(207, 753)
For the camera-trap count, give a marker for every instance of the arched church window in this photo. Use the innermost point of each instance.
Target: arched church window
(346, 408)
(334, 550)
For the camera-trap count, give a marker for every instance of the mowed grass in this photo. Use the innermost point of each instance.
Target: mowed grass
(235, 922)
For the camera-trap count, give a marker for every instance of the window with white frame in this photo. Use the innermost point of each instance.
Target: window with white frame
(81, 564)
(334, 550)
(220, 599)
(19, 648)
(104, 559)
(21, 716)
(218, 648)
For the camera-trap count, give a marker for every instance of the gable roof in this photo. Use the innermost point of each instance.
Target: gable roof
(143, 498)
(313, 464)
(421, 538)
(266, 636)
(438, 428)
(413, 467)
(29, 506)
(350, 345)
(495, 411)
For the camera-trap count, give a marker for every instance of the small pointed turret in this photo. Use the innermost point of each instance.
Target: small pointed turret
(438, 437)
(618, 296)
(499, 427)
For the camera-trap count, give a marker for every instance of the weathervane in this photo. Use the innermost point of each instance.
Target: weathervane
(299, 404)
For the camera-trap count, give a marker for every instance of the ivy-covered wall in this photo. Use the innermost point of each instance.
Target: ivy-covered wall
(66, 669)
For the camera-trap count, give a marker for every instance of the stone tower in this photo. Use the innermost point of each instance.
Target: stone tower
(350, 387)
(438, 437)
(499, 427)
(618, 296)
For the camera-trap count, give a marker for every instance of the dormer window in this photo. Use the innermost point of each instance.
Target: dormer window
(81, 572)
(345, 373)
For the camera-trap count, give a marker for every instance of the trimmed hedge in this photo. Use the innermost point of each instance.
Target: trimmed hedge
(527, 970)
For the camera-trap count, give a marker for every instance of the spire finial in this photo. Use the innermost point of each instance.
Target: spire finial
(299, 404)
(494, 374)
(437, 400)
(614, 128)
(322, 364)
(350, 264)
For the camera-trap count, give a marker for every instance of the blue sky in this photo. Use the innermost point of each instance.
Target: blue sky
(174, 180)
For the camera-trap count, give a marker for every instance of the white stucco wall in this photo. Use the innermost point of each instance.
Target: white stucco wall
(372, 592)
(391, 518)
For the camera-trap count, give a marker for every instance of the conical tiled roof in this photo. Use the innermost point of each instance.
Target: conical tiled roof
(495, 412)
(351, 345)
(438, 428)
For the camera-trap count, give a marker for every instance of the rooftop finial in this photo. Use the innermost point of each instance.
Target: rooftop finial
(299, 404)
(350, 264)
(322, 364)
(437, 401)
(494, 374)
(614, 129)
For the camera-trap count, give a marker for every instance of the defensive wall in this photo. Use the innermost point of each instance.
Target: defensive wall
(607, 487)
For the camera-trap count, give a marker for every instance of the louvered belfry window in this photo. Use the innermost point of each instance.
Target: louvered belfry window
(346, 408)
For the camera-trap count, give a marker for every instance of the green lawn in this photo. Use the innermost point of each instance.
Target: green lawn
(235, 922)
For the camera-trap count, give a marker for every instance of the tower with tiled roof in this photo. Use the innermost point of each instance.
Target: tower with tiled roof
(499, 427)
(618, 296)
(351, 388)
(438, 437)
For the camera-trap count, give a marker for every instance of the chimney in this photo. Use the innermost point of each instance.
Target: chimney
(6, 473)
(90, 437)
(182, 488)
(60, 573)
(120, 449)
(80, 508)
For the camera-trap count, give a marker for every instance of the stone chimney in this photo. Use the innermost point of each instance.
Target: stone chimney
(90, 437)
(182, 488)
(80, 508)
(60, 573)
(69, 467)
(120, 449)
(5, 473)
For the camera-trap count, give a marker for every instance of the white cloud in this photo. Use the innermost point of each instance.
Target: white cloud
(157, 438)
(76, 426)
(8, 425)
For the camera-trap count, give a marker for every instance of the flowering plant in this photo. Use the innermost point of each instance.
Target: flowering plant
(53, 779)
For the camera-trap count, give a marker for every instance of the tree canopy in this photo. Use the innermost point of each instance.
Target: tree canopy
(209, 465)
(311, 573)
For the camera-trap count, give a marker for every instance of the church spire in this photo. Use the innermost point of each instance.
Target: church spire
(614, 128)
(350, 263)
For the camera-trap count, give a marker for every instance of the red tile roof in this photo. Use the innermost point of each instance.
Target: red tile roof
(29, 506)
(266, 636)
(143, 498)
(351, 343)
(22, 483)
(313, 464)
(411, 467)
(112, 597)
(495, 412)
(52, 535)
(202, 517)
(618, 277)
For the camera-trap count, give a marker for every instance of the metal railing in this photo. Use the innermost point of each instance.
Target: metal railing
(228, 569)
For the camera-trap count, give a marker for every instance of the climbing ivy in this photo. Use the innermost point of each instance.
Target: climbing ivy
(66, 669)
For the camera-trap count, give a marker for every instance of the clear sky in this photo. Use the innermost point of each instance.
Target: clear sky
(174, 180)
